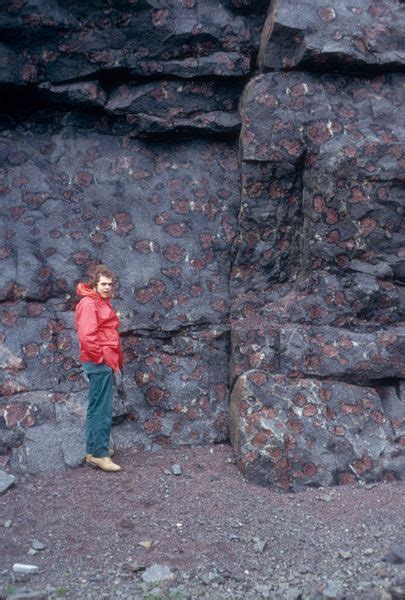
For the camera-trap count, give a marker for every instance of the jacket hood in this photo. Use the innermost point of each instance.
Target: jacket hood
(83, 289)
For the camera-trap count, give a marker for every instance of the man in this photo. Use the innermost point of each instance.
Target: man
(100, 353)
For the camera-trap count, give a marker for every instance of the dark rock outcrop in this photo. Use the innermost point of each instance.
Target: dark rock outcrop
(292, 433)
(317, 275)
(285, 262)
(340, 35)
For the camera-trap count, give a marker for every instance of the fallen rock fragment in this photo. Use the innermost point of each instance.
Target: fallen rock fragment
(157, 573)
(25, 569)
(6, 481)
(259, 545)
(176, 470)
(37, 545)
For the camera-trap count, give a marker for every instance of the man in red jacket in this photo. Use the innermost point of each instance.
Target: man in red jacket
(100, 353)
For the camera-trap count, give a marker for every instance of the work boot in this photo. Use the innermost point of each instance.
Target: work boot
(105, 463)
(110, 454)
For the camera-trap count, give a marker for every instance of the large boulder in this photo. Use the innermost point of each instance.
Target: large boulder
(294, 433)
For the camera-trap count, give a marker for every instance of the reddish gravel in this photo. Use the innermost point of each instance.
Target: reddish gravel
(202, 524)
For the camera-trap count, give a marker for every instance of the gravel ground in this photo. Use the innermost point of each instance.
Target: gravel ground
(213, 534)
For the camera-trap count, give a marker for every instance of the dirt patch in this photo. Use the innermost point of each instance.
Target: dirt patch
(220, 536)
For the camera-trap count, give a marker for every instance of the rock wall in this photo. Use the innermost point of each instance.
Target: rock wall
(269, 266)
(119, 144)
(317, 316)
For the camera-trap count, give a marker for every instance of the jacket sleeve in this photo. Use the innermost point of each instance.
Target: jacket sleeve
(87, 327)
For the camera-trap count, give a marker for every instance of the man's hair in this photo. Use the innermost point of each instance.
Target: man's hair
(99, 271)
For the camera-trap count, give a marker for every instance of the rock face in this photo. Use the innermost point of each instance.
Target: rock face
(298, 432)
(119, 145)
(341, 35)
(318, 269)
(270, 270)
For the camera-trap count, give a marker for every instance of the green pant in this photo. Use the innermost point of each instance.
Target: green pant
(99, 410)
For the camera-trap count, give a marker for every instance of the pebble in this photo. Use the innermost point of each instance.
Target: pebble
(8, 523)
(344, 554)
(25, 569)
(32, 552)
(176, 470)
(37, 545)
(259, 545)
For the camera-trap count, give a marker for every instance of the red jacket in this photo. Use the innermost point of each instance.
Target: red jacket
(97, 327)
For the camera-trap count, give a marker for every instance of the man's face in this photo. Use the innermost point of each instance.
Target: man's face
(104, 286)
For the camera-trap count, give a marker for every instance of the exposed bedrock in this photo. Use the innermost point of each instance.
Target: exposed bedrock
(293, 433)
(163, 217)
(317, 360)
(272, 270)
(80, 84)
(341, 35)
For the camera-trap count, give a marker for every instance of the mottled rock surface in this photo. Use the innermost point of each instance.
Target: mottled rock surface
(317, 276)
(281, 256)
(342, 35)
(293, 433)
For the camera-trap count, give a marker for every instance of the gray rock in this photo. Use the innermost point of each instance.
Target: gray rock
(37, 545)
(157, 573)
(25, 569)
(176, 470)
(346, 555)
(266, 408)
(314, 34)
(27, 594)
(6, 481)
(259, 545)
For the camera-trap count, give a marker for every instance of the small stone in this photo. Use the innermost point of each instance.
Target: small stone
(368, 551)
(32, 552)
(259, 545)
(344, 554)
(176, 470)
(8, 523)
(37, 545)
(6, 481)
(157, 573)
(147, 544)
(27, 594)
(25, 569)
